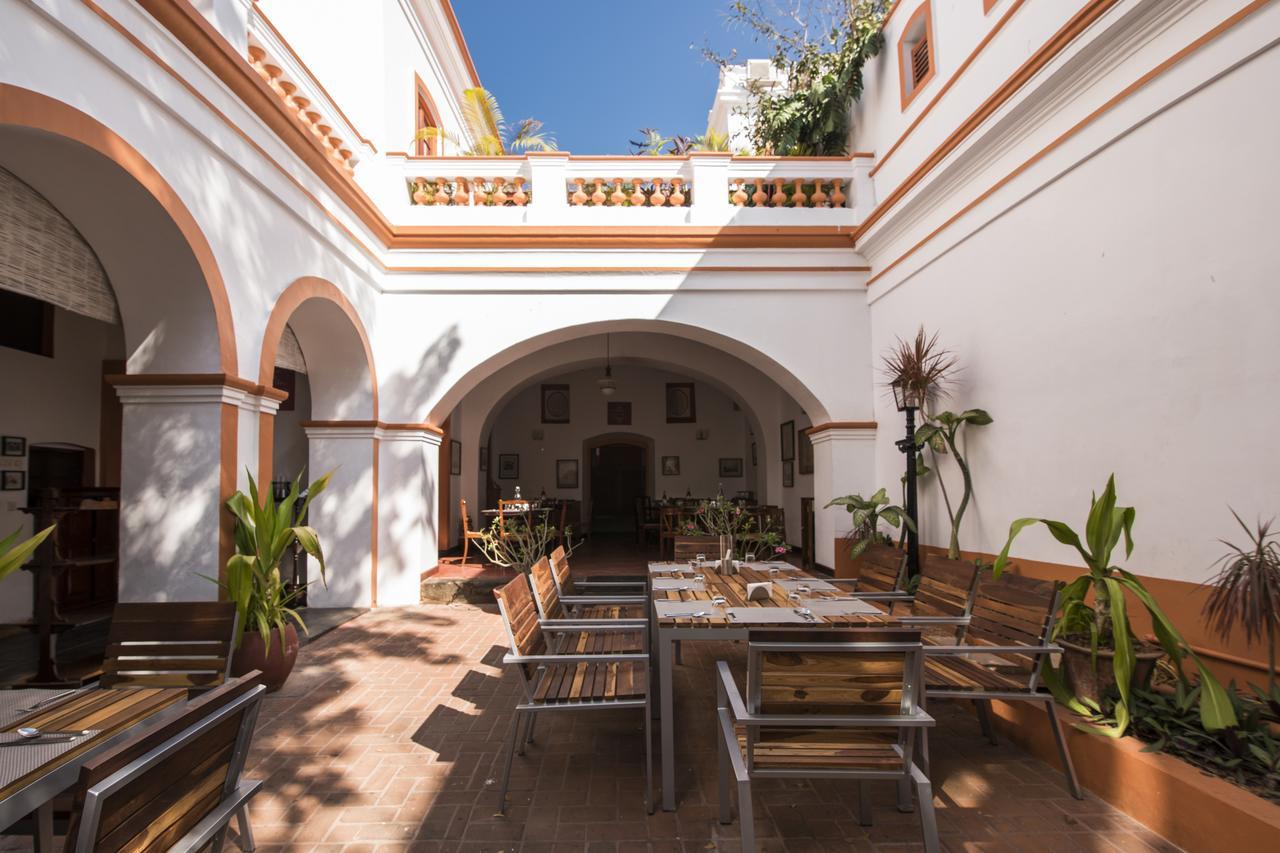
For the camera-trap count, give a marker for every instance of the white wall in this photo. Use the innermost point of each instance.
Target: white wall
(1122, 320)
(645, 389)
(50, 400)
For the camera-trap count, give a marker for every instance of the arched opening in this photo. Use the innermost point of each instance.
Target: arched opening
(105, 273)
(316, 350)
(619, 473)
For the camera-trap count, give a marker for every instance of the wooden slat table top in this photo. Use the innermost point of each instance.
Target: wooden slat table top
(108, 712)
(734, 590)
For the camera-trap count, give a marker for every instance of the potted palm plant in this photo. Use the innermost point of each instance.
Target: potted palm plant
(1100, 651)
(266, 638)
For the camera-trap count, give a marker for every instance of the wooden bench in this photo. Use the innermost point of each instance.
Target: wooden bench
(169, 644)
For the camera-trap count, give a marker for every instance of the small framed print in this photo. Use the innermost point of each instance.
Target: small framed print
(681, 404)
(566, 473)
(805, 462)
(13, 481)
(508, 466)
(618, 413)
(555, 404)
(788, 474)
(455, 457)
(671, 466)
(788, 441)
(13, 445)
(484, 459)
(731, 467)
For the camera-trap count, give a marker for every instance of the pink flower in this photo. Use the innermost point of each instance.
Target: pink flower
(781, 549)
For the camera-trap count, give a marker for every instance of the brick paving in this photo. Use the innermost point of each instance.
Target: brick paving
(389, 737)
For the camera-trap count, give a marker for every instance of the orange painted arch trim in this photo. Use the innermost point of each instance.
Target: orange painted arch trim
(383, 425)
(823, 427)
(195, 379)
(25, 108)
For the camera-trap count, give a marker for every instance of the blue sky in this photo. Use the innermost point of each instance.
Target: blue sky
(594, 71)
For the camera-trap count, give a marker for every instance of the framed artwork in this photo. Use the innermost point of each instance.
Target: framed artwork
(788, 474)
(566, 473)
(681, 405)
(671, 466)
(555, 404)
(754, 459)
(14, 481)
(508, 466)
(455, 457)
(13, 445)
(731, 467)
(618, 413)
(788, 441)
(805, 465)
(484, 459)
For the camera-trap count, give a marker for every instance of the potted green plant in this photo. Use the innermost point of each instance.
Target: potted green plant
(1097, 629)
(865, 515)
(517, 543)
(941, 434)
(265, 636)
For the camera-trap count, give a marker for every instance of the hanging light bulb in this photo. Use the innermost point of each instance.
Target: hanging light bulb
(607, 385)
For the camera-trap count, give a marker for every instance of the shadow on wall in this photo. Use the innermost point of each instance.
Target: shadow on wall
(403, 391)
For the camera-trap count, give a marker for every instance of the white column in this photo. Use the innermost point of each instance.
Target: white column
(408, 472)
(344, 515)
(548, 176)
(710, 180)
(843, 464)
(172, 456)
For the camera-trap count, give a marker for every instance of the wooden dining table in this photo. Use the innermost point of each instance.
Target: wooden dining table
(34, 771)
(696, 602)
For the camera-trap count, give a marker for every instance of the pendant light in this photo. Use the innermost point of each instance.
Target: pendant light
(607, 385)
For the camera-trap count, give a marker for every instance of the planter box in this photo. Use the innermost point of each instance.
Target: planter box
(1192, 809)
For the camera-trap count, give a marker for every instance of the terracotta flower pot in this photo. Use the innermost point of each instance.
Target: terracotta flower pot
(276, 665)
(1088, 682)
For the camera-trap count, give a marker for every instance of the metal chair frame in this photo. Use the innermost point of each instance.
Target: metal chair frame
(635, 591)
(731, 711)
(236, 792)
(526, 712)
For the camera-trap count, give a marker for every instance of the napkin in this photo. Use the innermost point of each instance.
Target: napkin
(762, 591)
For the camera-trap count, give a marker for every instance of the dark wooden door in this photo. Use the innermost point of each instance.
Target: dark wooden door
(617, 479)
(807, 539)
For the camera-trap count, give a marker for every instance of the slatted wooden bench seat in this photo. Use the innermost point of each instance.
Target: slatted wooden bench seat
(686, 548)
(551, 610)
(841, 704)
(591, 666)
(570, 584)
(169, 644)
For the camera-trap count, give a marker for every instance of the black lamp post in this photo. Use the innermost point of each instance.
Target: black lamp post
(908, 399)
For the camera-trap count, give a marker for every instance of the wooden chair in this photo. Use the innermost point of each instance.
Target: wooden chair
(998, 652)
(647, 521)
(512, 509)
(883, 571)
(169, 644)
(840, 704)
(943, 598)
(633, 586)
(669, 521)
(467, 533)
(686, 548)
(177, 785)
(592, 673)
(577, 608)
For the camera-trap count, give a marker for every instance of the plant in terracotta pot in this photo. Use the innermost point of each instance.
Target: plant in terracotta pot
(1095, 630)
(265, 637)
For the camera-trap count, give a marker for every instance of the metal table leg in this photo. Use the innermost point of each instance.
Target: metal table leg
(44, 828)
(666, 699)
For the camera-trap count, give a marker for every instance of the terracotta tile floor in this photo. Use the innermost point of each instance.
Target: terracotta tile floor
(389, 736)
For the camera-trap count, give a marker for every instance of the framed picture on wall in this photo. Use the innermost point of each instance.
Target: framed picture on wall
(788, 474)
(618, 413)
(731, 467)
(681, 404)
(455, 457)
(484, 459)
(566, 473)
(788, 441)
(805, 465)
(14, 481)
(671, 466)
(13, 445)
(555, 404)
(508, 466)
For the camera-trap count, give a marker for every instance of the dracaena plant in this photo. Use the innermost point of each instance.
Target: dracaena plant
(866, 515)
(1246, 593)
(14, 553)
(1105, 618)
(941, 434)
(265, 530)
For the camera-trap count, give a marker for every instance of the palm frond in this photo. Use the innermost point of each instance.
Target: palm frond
(529, 136)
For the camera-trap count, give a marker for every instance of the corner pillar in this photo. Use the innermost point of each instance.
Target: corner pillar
(843, 463)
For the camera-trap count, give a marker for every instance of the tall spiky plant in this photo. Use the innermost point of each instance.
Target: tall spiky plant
(488, 131)
(1246, 593)
(925, 367)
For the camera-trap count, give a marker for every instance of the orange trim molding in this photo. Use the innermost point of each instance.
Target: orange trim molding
(628, 237)
(196, 379)
(823, 427)
(26, 108)
(906, 64)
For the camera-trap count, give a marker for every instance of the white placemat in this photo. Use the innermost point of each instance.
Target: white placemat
(668, 609)
(26, 756)
(846, 607)
(678, 585)
(762, 615)
(792, 585)
(765, 567)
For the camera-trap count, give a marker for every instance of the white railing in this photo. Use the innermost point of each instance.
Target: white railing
(701, 189)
